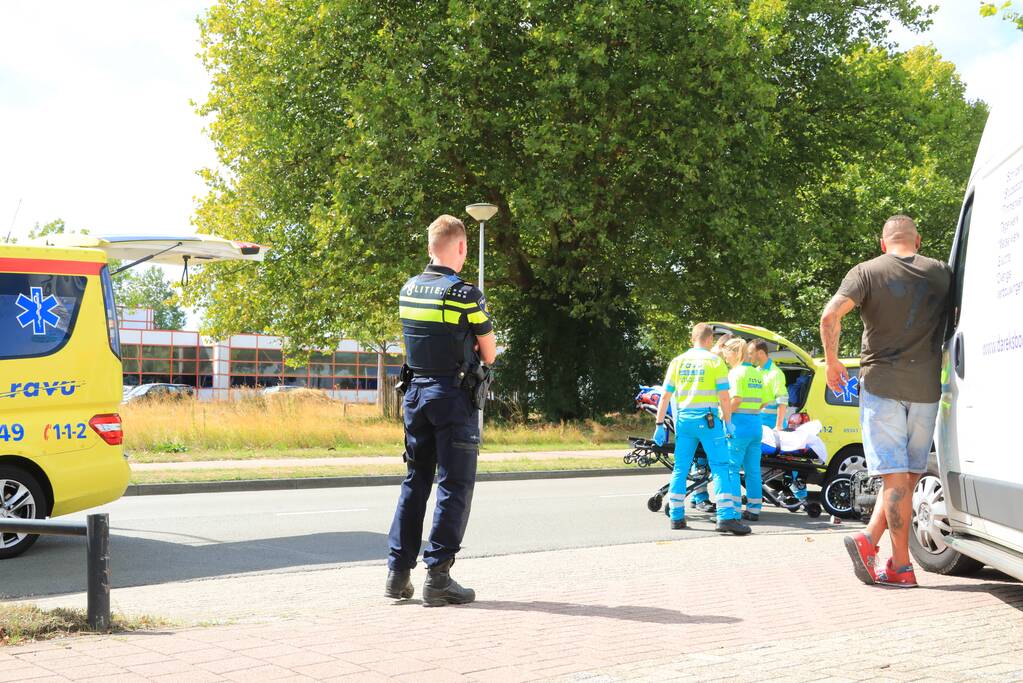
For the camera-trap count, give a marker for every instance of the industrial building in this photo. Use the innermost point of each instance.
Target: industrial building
(218, 369)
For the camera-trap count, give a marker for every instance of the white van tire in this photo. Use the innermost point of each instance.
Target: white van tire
(928, 528)
(15, 481)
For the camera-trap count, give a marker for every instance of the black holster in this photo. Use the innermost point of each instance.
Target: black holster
(476, 379)
(404, 379)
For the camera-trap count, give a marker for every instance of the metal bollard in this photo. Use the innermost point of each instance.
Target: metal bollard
(97, 544)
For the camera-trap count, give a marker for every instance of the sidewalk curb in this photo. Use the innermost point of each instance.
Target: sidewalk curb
(375, 480)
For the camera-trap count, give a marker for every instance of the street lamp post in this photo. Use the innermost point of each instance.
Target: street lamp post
(481, 213)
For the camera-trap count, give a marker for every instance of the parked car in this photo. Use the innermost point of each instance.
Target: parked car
(60, 369)
(810, 396)
(281, 389)
(159, 391)
(966, 510)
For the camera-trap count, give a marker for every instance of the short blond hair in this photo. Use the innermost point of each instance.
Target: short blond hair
(444, 230)
(702, 333)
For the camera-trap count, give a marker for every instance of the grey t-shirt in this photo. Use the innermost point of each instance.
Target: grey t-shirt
(903, 303)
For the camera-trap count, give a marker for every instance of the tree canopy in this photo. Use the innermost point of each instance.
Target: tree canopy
(654, 163)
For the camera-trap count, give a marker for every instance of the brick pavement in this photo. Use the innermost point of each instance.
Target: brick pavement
(779, 606)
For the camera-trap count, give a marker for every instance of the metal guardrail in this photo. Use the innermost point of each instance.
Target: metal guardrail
(96, 531)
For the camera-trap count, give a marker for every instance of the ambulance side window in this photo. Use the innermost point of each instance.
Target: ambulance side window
(38, 312)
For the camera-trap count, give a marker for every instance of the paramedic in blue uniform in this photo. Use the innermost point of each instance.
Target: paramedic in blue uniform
(447, 329)
(697, 382)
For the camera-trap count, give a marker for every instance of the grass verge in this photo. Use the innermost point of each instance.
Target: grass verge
(278, 426)
(22, 623)
(227, 474)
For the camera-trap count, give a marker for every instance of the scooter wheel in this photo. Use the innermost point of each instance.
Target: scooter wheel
(814, 510)
(654, 503)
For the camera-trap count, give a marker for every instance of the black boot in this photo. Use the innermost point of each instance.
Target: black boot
(750, 516)
(399, 584)
(706, 506)
(732, 526)
(677, 524)
(440, 589)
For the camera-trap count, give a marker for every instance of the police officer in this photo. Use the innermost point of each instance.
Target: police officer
(775, 390)
(699, 381)
(447, 332)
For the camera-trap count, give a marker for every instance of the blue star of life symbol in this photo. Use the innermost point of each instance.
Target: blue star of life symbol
(37, 310)
(850, 391)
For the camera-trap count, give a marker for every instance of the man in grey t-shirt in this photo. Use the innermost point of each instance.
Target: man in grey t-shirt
(903, 299)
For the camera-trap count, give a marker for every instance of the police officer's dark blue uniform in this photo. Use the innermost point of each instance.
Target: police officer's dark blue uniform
(441, 318)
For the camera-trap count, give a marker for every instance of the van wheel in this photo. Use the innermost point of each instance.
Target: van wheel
(930, 528)
(21, 497)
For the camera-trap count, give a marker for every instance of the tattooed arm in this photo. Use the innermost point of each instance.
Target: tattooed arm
(831, 330)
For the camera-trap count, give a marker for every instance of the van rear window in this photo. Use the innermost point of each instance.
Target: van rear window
(37, 312)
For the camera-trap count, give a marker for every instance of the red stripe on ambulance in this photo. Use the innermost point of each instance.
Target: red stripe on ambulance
(49, 266)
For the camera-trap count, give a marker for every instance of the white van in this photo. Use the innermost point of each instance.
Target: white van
(968, 509)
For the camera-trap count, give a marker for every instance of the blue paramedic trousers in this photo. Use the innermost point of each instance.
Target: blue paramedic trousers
(724, 472)
(688, 433)
(441, 438)
(704, 493)
(746, 452)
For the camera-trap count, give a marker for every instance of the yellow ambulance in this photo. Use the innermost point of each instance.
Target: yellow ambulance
(60, 369)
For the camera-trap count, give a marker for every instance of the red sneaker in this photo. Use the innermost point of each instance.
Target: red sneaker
(903, 577)
(864, 557)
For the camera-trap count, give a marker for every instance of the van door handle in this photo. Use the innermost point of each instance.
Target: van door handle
(959, 355)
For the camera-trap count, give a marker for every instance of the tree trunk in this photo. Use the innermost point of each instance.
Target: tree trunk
(380, 378)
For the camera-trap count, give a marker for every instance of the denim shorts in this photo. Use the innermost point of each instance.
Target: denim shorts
(897, 435)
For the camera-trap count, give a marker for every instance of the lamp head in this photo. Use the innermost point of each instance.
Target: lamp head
(481, 212)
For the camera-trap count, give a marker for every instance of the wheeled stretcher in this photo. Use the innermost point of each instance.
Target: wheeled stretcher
(788, 459)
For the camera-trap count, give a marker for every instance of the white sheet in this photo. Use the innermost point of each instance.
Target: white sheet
(804, 436)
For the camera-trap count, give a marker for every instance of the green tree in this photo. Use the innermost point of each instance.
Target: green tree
(929, 134)
(149, 289)
(655, 163)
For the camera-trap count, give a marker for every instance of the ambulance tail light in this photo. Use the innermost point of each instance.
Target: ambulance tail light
(109, 428)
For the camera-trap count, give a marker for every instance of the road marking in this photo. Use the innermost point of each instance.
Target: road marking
(625, 495)
(320, 512)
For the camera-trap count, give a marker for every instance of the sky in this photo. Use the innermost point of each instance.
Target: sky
(97, 125)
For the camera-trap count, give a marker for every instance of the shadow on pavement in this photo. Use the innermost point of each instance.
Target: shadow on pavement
(649, 615)
(1001, 586)
(57, 565)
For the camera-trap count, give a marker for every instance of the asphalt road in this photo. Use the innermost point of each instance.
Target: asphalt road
(159, 539)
